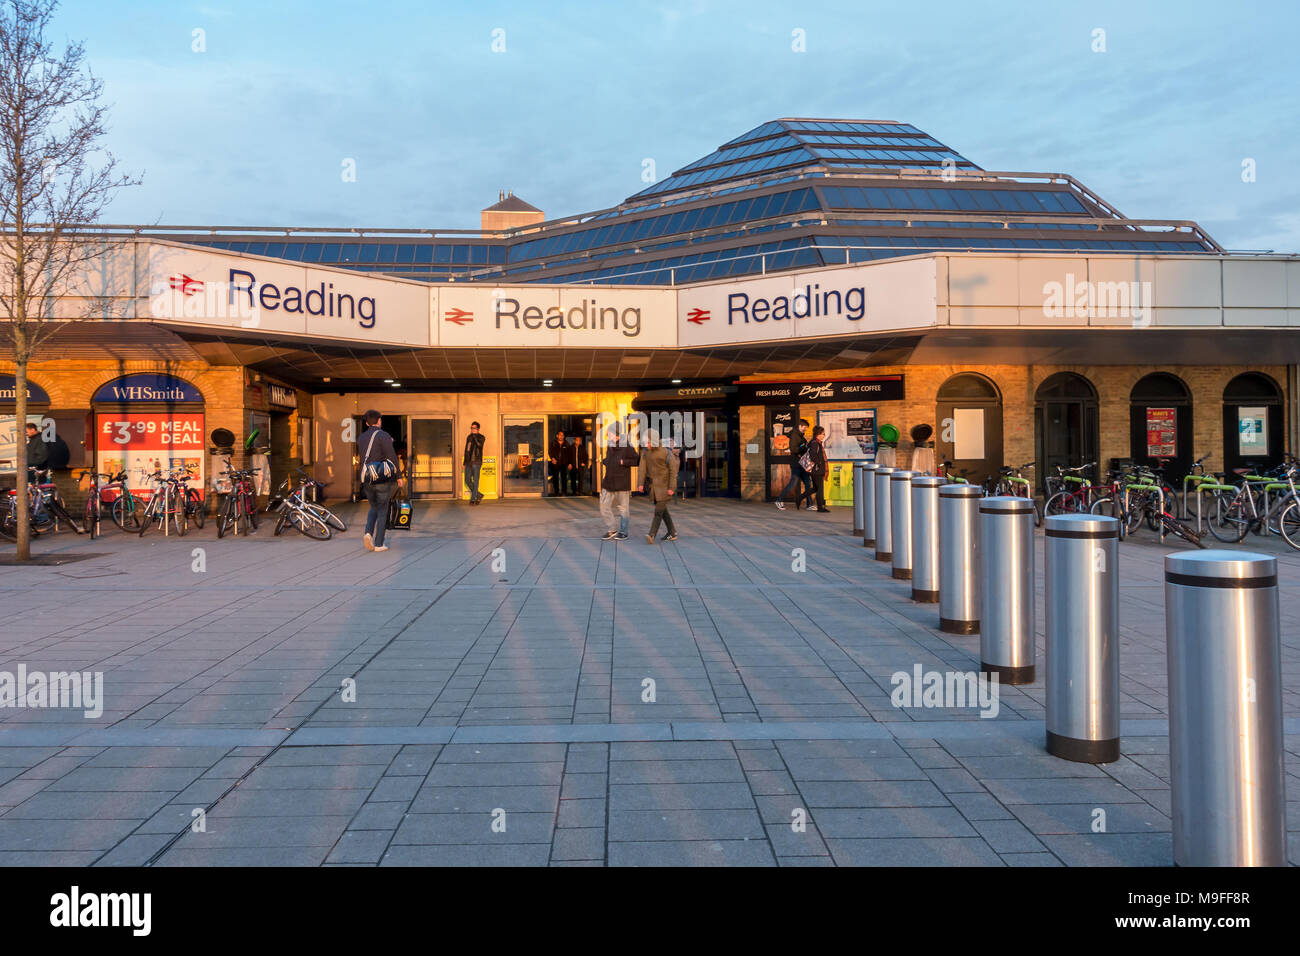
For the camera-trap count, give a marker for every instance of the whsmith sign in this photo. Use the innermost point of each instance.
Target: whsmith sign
(883, 388)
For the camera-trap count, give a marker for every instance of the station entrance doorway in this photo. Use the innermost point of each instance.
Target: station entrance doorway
(528, 441)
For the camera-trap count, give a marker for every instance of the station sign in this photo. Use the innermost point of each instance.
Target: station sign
(541, 317)
(852, 301)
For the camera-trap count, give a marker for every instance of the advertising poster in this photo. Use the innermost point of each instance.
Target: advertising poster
(142, 443)
(1162, 432)
(1252, 430)
(487, 479)
(850, 434)
(8, 437)
(781, 422)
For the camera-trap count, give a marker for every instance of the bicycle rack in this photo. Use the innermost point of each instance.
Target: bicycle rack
(1202, 487)
(1160, 494)
(1197, 480)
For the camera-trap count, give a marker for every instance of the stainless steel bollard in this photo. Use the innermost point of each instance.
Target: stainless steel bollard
(869, 505)
(925, 538)
(1081, 613)
(883, 537)
(1007, 589)
(959, 558)
(859, 481)
(900, 524)
(1222, 628)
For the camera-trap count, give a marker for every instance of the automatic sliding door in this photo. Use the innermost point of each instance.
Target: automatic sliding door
(431, 458)
(525, 455)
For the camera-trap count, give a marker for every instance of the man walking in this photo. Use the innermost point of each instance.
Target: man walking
(472, 461)
(659, 471)
(798, 474)
(616, 483)
(377, 449)
(560, 456)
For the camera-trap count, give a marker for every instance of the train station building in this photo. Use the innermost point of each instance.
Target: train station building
(856, 274)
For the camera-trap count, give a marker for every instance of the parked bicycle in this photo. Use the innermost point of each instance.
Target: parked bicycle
(293, 510)
(167, 504)
(1074, 494)
(238, 508)
(1011, 481)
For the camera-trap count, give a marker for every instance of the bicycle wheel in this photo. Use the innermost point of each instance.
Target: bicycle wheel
(91, 519)
(1227, 520)
(126, 511)
(252, 512)
(181, 516)
(225, 516)
(310, 525)
(1174, 526)
(329, 517)
(195, 505)
(280, 521)
(1107, 508)
(1061, 503)
(148, 516)
(9, 527)
(1289, 524)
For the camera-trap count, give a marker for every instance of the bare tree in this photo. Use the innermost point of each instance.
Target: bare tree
(54, 179)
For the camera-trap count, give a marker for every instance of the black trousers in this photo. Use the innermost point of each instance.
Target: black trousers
(559, 480)
(817, 490)
(661, 514)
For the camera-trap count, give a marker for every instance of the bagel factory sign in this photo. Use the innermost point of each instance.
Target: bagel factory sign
(878, 388)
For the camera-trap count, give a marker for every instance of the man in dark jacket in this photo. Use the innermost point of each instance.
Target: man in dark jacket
(473, 461)
(560, 456)
(38, 456)
(817, 452)
(616, 483)
(581, 464)
(798, 476)
(376, 445)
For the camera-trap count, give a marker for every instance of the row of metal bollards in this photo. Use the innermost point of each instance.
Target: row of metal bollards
(974, 556)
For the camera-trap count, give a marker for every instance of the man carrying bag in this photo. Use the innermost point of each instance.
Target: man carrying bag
(379, 479)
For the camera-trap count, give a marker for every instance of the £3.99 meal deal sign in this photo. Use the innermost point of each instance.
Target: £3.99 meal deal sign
(142, 443)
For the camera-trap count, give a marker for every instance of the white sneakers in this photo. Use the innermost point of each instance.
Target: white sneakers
(382, 547)
(369, 542)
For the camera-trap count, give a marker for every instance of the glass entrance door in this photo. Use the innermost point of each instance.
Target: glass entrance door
(525, 455)
(431, 458)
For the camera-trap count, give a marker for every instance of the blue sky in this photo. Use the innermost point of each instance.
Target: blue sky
(254, 131)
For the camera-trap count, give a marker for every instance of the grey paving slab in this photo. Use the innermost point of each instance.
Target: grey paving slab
(906, 851)
(692, 853)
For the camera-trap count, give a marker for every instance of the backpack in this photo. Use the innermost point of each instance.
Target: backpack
(377, 472)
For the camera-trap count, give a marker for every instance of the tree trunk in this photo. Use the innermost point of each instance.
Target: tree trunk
(24, 552)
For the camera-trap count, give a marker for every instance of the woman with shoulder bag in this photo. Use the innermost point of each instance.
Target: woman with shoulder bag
(817, 468)
(379, 479)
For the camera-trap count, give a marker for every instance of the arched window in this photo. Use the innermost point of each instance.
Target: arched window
(968, 413)
(1160, 425)
(1252, 422)
(1065, 425)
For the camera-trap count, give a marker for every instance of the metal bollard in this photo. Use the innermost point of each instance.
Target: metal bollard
(959, 558)
(900, 524)
(869, 505)
(859, 481)
(1222, 628)
(1007, 589)
(925, 538)
(1081, 612)
(883, 537)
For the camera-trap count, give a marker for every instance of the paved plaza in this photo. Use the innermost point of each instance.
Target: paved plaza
(527, 694)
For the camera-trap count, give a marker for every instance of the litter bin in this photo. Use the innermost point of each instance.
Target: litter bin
(900, 524)
(925, 538)
(1222, 629)
(1007, 589)
(959, 558)
(1081, 616)
(883, 538)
